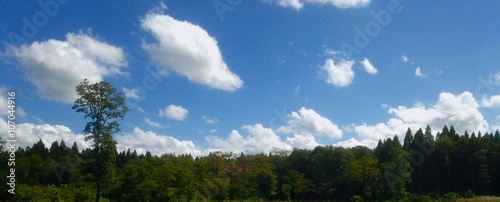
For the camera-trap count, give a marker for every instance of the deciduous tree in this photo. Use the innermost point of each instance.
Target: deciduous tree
(102, 104)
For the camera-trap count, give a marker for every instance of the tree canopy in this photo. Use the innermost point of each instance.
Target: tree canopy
(102, 104)
(422, 167)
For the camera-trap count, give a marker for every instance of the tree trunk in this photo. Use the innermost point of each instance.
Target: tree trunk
(98, 192)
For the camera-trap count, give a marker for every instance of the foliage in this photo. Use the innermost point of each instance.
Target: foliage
(102, 104)
(393, 171)
(469, 194)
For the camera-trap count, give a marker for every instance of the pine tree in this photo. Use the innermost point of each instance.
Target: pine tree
(408, 141)
(444, 133)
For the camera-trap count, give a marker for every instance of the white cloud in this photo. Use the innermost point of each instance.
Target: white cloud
(404, 58)
(493, 101)
(296, 4)
(339, 74)
(3, 101)
(369, 68)
(152, 123)
(330, 52)
(419, 74)
(20, 112)
(210, 120)
(131, 93)
(27, 134)
(57, 67)
(259, 139)
(174, 112)
(306, 141)
(188, 50)
(157, 144)
(494, 78)
(461, 111)
(308, 122)
(299, 4)
(4, 110)
(140, 109)
(350, 143)
(385, 130)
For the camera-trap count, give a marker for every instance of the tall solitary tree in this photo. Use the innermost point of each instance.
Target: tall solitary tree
(102, 104)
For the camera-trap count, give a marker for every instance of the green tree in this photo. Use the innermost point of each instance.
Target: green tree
(408, 141)
(396, 168)
(263, 177)
(365, 176)
(103, 105)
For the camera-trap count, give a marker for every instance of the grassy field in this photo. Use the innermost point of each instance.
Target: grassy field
(481, 198)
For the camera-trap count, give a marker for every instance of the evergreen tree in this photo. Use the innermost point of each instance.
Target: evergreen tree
(453, 134)
(444, 133)
(54, 151)
(74, 148)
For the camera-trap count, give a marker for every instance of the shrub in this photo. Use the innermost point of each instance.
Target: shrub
(469, 194)
(357, 198)
(421, 198)
(451, 196)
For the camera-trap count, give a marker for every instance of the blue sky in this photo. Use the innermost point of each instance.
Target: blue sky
(250, 76)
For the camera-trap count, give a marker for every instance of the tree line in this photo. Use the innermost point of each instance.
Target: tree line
(422, 166)
(447, 166)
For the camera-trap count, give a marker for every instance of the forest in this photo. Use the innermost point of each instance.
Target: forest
(422, 167)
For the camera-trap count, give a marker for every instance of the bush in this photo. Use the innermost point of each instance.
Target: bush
(357, 198)
(421, 198)
(54, 193)
(469, 194)
(451, 196)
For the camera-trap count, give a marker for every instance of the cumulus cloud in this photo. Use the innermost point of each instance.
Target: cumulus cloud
(259, 139)
(306, 141)
(308, 122)
(27, 134)
(299, 4)
(157, 144)
(340, 74)
(188, 50)
(381, 131)
(493, 101)
(369, 68)
(419, 74)
(56, 67)
(174, 112)
(350, 143)
(461, 111)
(305, 125)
